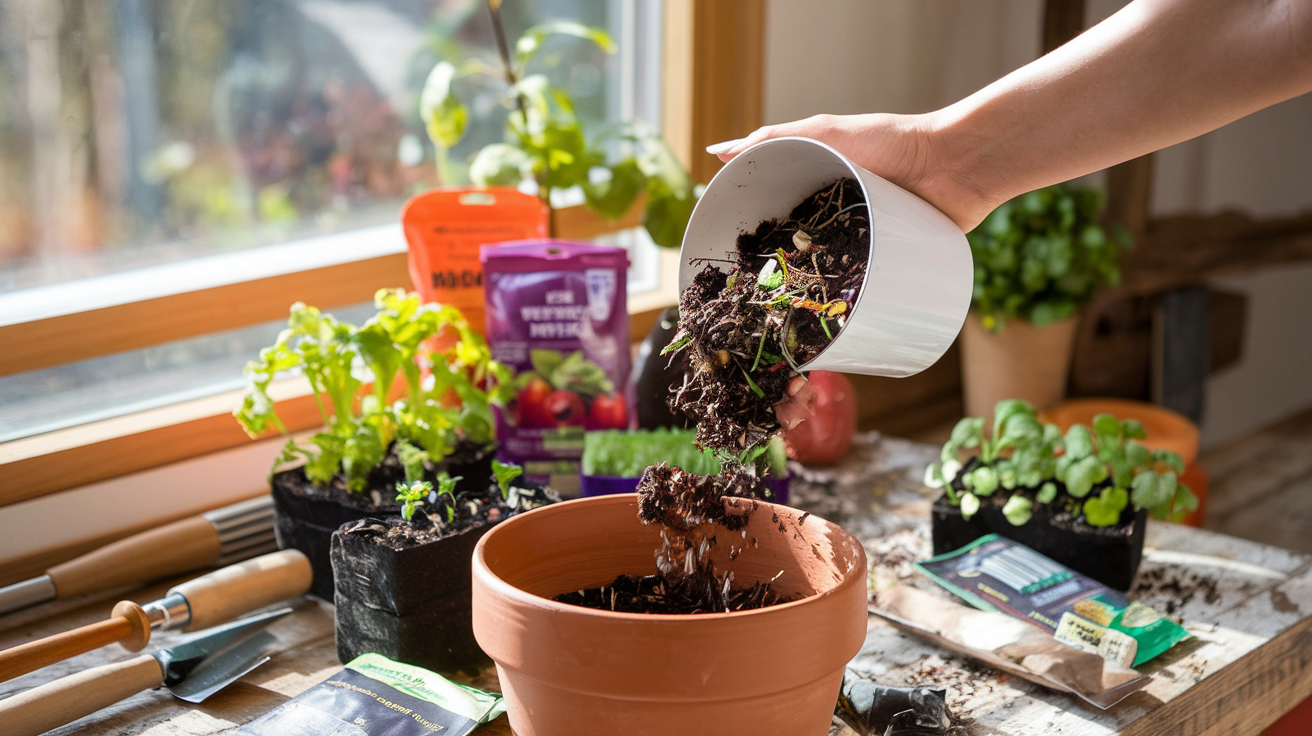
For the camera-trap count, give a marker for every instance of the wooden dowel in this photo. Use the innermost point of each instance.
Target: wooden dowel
(128, 624)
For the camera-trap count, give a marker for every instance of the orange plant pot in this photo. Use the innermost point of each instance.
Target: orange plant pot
(573, 671)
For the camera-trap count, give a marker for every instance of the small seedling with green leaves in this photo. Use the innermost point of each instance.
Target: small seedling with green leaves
(505, 473)
(1096, 472)
(413, 495)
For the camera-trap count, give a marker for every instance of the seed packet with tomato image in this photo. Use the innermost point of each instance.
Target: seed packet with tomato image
(445, 229)
(556, 312)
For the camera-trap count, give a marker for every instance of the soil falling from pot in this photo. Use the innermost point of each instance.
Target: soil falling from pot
(742, 338)
(744, 334)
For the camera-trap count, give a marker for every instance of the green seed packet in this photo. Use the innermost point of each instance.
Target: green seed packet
(374, 696)
(997, 574)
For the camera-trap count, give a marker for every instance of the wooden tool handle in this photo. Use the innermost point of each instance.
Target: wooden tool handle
(236, 589)
(67, 699)
(185, 545)
(128, 625)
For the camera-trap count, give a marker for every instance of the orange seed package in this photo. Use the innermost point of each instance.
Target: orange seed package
(445, 228)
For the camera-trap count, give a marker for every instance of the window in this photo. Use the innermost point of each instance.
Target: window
(157, 151)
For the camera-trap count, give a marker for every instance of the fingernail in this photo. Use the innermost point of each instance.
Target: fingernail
(725, 147)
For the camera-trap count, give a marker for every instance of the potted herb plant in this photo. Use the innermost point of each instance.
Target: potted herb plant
(402, 584)
(1081, 498)
(383, 420)
(546, 142)
(1038, 260)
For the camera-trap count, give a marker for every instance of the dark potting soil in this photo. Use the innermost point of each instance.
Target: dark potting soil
(744, 334)
(306, 514)
(687, 595)
(469, 510)
(679, 500)
(471, 461)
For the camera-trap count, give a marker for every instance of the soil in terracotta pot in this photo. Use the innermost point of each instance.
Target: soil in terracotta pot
(685, 504)
(744, 334)
(698, 593)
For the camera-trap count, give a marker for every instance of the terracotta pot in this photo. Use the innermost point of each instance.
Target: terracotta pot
(1021, 362)
(572, 671)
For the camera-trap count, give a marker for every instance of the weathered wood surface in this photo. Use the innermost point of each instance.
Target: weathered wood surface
(1246, 604)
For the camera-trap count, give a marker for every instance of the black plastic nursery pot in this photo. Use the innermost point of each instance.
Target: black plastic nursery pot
(1110, 555)
(306, 515)
(412, 605)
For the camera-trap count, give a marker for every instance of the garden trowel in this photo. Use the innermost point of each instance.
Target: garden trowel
(196, 604)
(192, 671)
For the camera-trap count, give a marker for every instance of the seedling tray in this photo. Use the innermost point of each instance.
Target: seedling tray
(1110, 555)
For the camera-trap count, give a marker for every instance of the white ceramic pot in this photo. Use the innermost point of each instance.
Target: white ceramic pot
(920, 274)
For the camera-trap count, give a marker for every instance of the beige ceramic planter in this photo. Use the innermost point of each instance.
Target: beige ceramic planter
(572, 671)
(1021, 362)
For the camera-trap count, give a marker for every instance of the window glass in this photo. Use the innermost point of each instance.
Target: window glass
(136, 132)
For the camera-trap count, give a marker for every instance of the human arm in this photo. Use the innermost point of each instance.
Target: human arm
(1156, 73)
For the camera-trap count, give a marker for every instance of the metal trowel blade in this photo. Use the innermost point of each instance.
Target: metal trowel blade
(224, 667)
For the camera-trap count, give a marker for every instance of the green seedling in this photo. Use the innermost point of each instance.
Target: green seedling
(412, 495)
(505, 472)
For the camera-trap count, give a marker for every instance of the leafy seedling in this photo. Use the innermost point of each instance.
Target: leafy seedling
(354, 373)
(505, 472)
(1102, 469)
(412, 495)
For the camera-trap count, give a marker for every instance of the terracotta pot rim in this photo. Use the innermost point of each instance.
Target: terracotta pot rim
(518, 596)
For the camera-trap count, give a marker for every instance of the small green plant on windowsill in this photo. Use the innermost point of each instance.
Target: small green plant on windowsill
(1040, 256)
(1094, 473)
(546, 143)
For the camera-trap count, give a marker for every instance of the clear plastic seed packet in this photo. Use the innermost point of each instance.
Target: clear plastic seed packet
(374, 696)
(996, 574)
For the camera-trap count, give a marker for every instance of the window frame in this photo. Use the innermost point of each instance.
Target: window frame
(723, 100)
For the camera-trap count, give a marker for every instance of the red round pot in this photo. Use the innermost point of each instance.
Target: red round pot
(572, 671)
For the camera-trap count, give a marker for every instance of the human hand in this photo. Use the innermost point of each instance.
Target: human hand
(904, 149)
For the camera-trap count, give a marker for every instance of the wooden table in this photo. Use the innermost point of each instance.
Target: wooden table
(1248, 606)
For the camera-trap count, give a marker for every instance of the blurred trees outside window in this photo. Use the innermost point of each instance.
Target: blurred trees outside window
(138, 132)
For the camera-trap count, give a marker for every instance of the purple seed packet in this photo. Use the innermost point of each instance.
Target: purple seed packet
(556, 312)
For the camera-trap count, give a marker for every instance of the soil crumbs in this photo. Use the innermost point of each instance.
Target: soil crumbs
(743, 335)
(440, 519)
(688, 507)
(682, 595)
(1171, 589)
